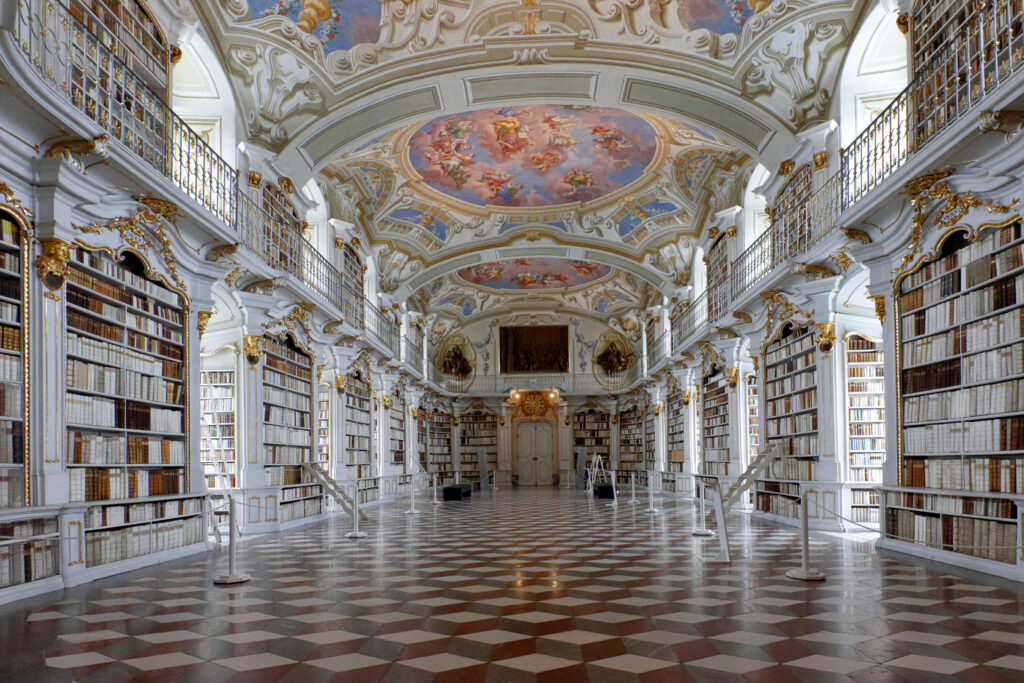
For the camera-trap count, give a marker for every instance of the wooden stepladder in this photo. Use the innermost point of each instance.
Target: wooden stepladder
(596, 472)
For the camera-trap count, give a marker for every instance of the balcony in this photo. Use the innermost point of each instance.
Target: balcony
(383, 328)
(657, 352)
(566, 383)
(91, 77)
(689, 323)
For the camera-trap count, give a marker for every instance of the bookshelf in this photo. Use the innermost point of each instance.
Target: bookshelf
(352, 282)
(477, 429)
(323, 427)
(421, 439)
(865, 401)
(960, 368)
(13, 343)
(715, 424)
(933, 24)
(396, 413)
(217, 420)
(753, 418)
(126, 390)
(650, 441)
(358, 438)
(631, 439)
(591, 429)
(30, 549)
(439, 454)
(790, 419)
(288, 425)
(676, 432)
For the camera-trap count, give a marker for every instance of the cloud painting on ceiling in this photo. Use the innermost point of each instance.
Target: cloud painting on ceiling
(534, 273)
(337, 24)
(533, 156)
(718, 16)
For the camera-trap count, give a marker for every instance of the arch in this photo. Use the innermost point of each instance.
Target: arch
(201, 95)
(874, 72)
(755, 207)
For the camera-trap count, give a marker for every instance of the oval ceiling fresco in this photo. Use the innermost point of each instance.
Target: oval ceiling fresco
(534, 273)
(533, 156)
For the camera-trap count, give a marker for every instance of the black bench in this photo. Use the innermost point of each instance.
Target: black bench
(457, 491)
(604, 491)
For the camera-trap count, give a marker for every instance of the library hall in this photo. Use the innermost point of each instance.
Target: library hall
(511, 341)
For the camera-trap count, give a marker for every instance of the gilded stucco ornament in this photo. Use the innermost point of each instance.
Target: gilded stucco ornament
(251, 349)
(858, 236)
(222, 252)
(826, 339)
(160, 207)
(52, 262)
(879, 302)
(341, 382)
(10, 198)
(687, 397)
(820, 161)
(202, 321)
(742, 317)
(732, 377)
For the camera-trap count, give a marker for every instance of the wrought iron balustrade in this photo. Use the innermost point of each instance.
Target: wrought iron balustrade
(566, 383)
(382, 327)
(690, 321)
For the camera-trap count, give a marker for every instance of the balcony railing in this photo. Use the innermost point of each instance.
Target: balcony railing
(690, 322)
(983, 54)
(566, 383)
(383, 328)
(91, 77)
(656, 351)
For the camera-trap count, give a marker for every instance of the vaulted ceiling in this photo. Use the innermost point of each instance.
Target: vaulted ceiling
(558, 154)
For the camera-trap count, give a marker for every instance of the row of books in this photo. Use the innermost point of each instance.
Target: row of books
(797, 445)
(805, 400)
(864, 497)
(865, 371)
(999, 475)
(10, 287)
(865, 458)
(931, 377)
(118, 273)
(936, 290)
(143, 323)
(790, 384)
(116, 515)
(720, 469)
(872, 475)
(866, 414)
(798, 342)
(787, 367)
(273, 415)
(274, 378)
(971, 536)
(864, 515)
(302, 509)
(11, 261)
(11, 400)
(357, 428)
(996, 297)
(994, 331)
(953, 505)
(931, 271)
(88, 484)
(286, 455)
(931, 349)
(301, 492)
(357, 443)
(285, 352)
(284, 476)
(939, 317)
(783, 506)
(105, 547)
(12, 443)
(118, 356)
(209, 377)
(31, 561)
(1006, 361)
(11, 369)
(296, 370)
(128, 383)
(12, 487)
(86, 448)
(988, 266)
(801, 422)
(27, 528)
(990, 399)
(976, 436)
(10, 313)
(866, 429)
(793, 468)
(10, 338)
(288, 436)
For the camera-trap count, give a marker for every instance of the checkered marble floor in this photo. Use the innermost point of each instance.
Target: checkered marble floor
(525, 585)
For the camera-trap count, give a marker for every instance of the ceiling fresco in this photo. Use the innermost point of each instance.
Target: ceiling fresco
(534, 273)
(336, 24)
(533, 156)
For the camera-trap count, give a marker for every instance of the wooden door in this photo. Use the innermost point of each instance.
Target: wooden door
(535, 468)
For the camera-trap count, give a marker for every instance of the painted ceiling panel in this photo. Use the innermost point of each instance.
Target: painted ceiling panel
(534, 273)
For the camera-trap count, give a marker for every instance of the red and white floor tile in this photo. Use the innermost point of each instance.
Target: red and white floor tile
(525, 585)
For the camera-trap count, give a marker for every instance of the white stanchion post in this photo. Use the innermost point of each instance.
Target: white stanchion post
(651, 510)
(232, 576)
(615, 490)
(632, 488)
(436, 501)
(458, 478)
(703, 530)
(412, 497)
(805, 573)
(494, 481)
(355, 533)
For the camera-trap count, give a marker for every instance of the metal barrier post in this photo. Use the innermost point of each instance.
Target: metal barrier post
(703, 530)
(632, 487)
(805, 573)
(232, 576)
(436, 501)
(412, 497)
(651, 510)
(355, 533)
